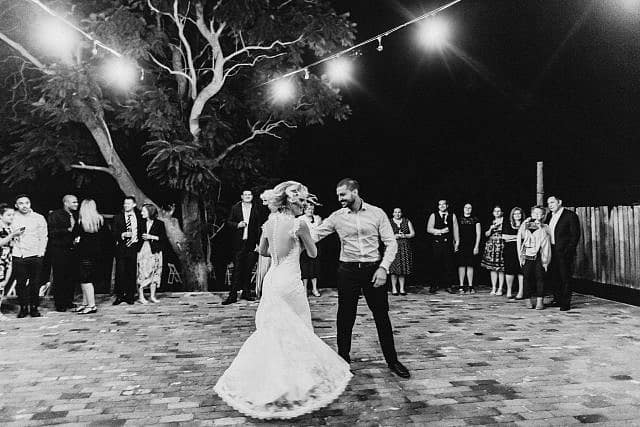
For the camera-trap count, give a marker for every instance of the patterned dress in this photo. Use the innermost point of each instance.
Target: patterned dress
(403, 264)
(149, 264)
(5, 258)
(493, 250)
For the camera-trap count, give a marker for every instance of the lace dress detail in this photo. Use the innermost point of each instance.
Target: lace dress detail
(283, 370)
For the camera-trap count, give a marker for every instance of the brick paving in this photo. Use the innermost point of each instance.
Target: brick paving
(475, 360)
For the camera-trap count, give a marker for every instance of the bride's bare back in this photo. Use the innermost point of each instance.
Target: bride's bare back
(281, 234)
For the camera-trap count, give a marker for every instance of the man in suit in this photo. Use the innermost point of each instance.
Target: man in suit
(565, 233)
(245, 221)
(61, 223)
(128, 228)
(443, 227)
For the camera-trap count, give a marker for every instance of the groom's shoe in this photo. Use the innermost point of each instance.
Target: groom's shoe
(399, 369)
(233, 297)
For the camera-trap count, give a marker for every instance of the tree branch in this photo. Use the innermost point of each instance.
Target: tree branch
(169, 70)
(83, 166)
(232, 71)
(267, 128)
(24, 52)
(249, 49)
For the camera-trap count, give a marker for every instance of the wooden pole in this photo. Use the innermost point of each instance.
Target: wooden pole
(539, 183)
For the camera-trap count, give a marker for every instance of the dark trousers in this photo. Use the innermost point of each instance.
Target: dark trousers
(64, 266)
(561, 268)
(243, 262)
(533, 273)
(126, 275)
(26, 271)
(353, 279)
(442, 264)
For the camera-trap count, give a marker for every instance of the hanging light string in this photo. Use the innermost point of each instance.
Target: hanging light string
(95, 41)
(377, 38)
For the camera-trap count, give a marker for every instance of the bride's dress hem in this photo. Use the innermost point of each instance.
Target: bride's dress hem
(286, 414)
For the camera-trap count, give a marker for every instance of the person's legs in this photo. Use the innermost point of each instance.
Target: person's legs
(565, 269)
(131, 276)
(436, 267)
(118, 288)
(34, 266)
(509, 280)
(348, 293)
(20, 274)
(447, 279)
(556, 276)
(461, 273)
(394, 284)
(529, 282)
(470, 278)
(401, 284)
(520, 287)
(539, 278)
(494, 281)
(500, 282)
(314, 286)
(379, 305)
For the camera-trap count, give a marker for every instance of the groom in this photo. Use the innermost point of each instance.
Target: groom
(360, 227)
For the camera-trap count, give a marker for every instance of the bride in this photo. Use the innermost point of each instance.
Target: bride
(284, 370)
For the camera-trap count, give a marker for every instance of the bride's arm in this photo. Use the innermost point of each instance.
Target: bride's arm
(263, 249)
(307, 240)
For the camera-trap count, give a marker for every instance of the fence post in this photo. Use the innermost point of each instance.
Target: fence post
(540, 183)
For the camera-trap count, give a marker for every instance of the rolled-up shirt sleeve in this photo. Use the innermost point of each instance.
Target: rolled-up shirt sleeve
(327, 227)
(389, 240)
(43, 235)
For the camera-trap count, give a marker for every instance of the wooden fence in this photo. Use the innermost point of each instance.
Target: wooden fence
(609, 247)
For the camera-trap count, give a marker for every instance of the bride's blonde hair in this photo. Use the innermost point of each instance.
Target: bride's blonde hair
(289, 193)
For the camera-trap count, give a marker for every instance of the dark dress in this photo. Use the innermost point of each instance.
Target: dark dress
(310, 267)
(510, 251)
(467, 227)
(89, 250)
(403, 264)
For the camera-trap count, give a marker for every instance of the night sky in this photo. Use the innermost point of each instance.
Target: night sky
(523, 80)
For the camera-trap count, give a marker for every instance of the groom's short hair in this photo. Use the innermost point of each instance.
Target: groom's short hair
(351, 184)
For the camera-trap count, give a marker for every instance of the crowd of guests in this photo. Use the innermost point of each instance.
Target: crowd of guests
(73, 237)
(520, 252)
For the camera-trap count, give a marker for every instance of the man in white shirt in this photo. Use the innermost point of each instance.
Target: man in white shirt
(28, 252)
(127, 232)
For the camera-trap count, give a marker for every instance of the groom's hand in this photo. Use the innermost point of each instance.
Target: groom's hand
(379, 277)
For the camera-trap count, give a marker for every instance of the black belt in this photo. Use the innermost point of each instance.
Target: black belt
(361, 264)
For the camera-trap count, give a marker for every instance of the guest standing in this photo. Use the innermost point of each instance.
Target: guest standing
(28, 251)
(154, 238)
(443, 226)
(245, 222)
(512, 268)
(565, 234)
(127, 232)
(402, 266)
(89, 237)
(534, 251)
(310, 267)
(493, 259)
(64, 265)
(264, 262)
(469, 248)
(7, 237)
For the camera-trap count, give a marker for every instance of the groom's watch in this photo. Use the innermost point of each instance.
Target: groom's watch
(384, 268)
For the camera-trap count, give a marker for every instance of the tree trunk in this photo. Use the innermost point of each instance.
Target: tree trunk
(186, 244)
(196, 266)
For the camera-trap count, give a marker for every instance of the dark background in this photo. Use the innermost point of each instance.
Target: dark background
(523, 80)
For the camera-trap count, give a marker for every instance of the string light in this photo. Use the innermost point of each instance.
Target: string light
(366, 42)
(380, 47)
(306, 74)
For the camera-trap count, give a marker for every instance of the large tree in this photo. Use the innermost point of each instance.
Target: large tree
(201, 101)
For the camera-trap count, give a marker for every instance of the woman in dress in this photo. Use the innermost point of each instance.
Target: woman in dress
(264, 262)
(492, 259)
(402, 266)
(89, 231)
(534, 250)
(6, 241)
(512, 266)
(310, 266)
(150, 255)
(469, 247)
(284, 370)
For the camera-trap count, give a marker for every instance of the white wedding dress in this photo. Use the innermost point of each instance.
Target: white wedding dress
(283, 370)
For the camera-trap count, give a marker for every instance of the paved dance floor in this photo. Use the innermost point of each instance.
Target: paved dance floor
(475, 360)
